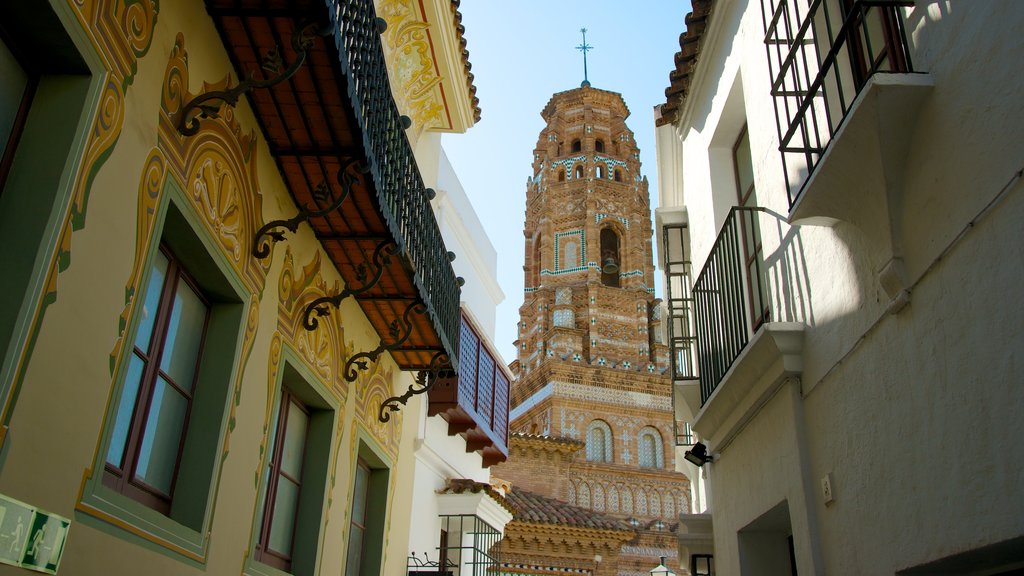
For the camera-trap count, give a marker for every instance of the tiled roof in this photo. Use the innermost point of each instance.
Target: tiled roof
(463, 485)
(556, 443)
(531, 507)
(686, 60)
(460, 29)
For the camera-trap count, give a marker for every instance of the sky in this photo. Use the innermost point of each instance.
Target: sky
(524, 51)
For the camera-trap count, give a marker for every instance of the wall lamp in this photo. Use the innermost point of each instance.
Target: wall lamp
(698, 455)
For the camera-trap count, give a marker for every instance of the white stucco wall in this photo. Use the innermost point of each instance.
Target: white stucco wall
(914, 415)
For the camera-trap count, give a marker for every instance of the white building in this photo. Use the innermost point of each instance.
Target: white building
(845, 179)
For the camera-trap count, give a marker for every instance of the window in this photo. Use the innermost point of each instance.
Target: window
(561, 174)
(650, 453)
(599, 145)
(577, 145)
(618, 175)
(144, 453)
(610, 260)
(702, 565)
(157, 464)
(685, 435)
(579, 172)
(16, 93)
(285, 484)
(599, 442)
(369, 513)
(287, 531)
(600, 172)
(746, 195)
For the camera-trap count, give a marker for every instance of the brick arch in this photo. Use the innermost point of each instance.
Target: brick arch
(613, 498)
(598, 497)
(655, 503)
(583, 495)
(641, 502)
(627, 501)
(669, 506)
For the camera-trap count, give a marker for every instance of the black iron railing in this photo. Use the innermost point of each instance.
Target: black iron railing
(820, 54)
(679, 297)
(730, 297)
(469, 547)
(401, 194)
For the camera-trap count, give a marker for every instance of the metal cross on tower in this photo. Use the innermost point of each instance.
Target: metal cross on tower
(584, 48)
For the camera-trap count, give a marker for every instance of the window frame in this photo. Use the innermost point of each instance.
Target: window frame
(659, 447)
(751, 254)
(182, 534)
(123, 479)
(33, 76)
(263, 552)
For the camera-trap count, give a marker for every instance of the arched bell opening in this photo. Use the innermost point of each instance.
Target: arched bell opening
(611, 261)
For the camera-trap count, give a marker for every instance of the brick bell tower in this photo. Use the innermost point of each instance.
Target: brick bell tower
(592, 368)
(589, 283)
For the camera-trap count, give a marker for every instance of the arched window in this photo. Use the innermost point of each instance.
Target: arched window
(578, 173)
(599, 442)
(561, 174)
(599, 146)
(577, 145)
(618, 175)
(600, 171)
(649, 448)
(610, 260)
(535, 265)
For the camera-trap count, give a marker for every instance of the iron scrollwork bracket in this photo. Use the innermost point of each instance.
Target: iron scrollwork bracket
(208, 104)
(381, 259)
(274, 230)
(399, 334)
(425, 380)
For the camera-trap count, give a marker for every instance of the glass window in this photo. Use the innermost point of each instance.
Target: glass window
(16, 92)
(152, 414)
(281, 505)
(357, 530)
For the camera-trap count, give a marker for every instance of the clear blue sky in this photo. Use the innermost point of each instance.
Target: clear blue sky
(523, 52)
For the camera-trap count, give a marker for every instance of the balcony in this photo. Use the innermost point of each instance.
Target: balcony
(474, 402)
(839, 66)
(682, 342)
(743, 352)
(339, 142)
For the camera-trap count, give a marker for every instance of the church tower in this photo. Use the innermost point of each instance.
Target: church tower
(589, 301)
(591, 404)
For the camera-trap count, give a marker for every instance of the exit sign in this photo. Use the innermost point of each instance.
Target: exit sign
(31, 538)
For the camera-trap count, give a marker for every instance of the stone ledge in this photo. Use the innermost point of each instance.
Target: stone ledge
(773, 354)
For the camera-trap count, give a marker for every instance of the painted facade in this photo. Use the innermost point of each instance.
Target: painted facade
(875, 330)
(116, 213)
(591, 403)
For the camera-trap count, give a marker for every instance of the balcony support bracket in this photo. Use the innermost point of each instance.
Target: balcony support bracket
(381, 259)
(399, 334)
(208, 104)
(425, 380)
(273, 232)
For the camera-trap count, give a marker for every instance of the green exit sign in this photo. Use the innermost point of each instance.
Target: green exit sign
(31, 538)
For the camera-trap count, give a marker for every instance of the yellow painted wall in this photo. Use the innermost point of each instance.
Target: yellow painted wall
(57, 421)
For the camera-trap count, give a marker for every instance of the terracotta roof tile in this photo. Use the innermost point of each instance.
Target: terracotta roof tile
(533, 507)
(463, 485)
(686, 60)
(460, 29)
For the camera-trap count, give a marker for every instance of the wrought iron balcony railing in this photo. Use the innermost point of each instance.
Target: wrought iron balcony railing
(402, 196)
(821, 53)
(730, 297)
(475, 402)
